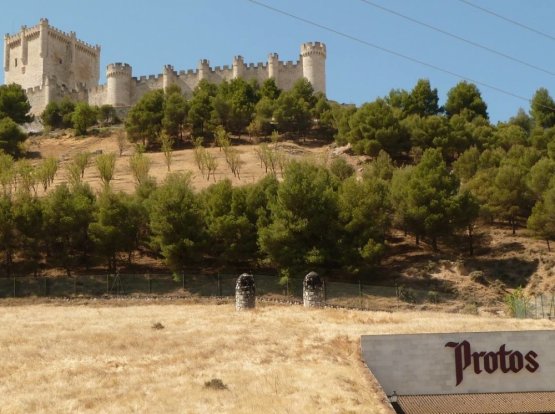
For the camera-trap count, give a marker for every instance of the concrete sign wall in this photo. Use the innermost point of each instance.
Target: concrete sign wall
(458, 363)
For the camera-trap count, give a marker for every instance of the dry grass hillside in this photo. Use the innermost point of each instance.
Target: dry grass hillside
(65, 146)
(101, 356)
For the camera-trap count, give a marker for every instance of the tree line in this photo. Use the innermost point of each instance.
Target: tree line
(318, 216)
(433, 171)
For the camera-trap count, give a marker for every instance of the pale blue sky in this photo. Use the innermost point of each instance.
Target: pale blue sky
(149, 34)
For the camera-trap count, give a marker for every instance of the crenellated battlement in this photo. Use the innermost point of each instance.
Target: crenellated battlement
(313, 48)
(69, 37)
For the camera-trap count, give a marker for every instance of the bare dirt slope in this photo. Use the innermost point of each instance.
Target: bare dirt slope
(101, 357)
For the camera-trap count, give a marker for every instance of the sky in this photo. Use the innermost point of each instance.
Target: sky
(150, 34)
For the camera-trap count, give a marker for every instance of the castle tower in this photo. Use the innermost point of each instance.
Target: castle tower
(238, 67)
(169, 76)
(273, 67)
(118, 76)
(313, 56)
(42, 50)
(204, 70)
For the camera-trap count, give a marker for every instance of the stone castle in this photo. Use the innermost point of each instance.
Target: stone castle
(50, 65)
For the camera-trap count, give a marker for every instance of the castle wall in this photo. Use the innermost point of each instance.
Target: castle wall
(144, 84)
(98, 95)
(289, 73)
(38, 99)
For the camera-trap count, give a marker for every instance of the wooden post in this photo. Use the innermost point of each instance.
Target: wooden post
(219, 286)
(149, 284)
(14, 286)
(107, 283)
(45, 286)
(325, 290)
(75, 286)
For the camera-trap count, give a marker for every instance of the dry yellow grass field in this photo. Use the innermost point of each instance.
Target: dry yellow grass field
(102, 357)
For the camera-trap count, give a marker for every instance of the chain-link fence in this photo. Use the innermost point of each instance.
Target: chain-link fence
(268, 287)
(535, 306)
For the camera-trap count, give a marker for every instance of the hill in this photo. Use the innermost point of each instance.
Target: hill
(107, 356)
(502, 262)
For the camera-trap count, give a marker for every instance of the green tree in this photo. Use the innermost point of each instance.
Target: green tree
(107, 115)
(140, 167)
(542, 109)
(425, 197)
(28, 218)
(292, 113)
(167, 149)
(540, 175)
(375, 126)
(115, 227)
(234, 104)
(232, 237)
(106, 166)
(144, 121)
(465, 99)
(67, 215)
(11, 137)
(423, 100)
(14, 104)
(467, 210)
(365, 215)
(542, 220)
(269, 89)
(306, 203)
(8, 237)
(176, 221)
(511, 198)
(201, 107)
(58, 114)
(176, 108)
(83, 117)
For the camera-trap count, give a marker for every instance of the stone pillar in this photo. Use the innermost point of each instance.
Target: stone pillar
(6, 54)
(24, 47)
(204, 70)
(273, 67)
(73, 60)
(168, 76)
(43, 38)
(238, 67)
(313, 291)
(245, 292)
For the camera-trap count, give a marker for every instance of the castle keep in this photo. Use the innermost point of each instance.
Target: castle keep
(50, 65)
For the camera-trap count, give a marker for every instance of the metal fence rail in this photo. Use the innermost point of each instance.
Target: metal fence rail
(352, 295)
(268, 287)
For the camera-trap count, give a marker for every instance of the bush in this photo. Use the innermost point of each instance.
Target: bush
(517, 303)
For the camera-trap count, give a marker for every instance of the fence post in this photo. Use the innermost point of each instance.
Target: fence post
(360, 291)
(183, 280)
(45, 286)
(75, 285)
(325, 290)
(287, 286)
(149, 284)
(14, 286)
(219, 286)
(107, 283)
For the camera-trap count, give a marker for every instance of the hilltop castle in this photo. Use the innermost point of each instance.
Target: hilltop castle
(50, 65)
